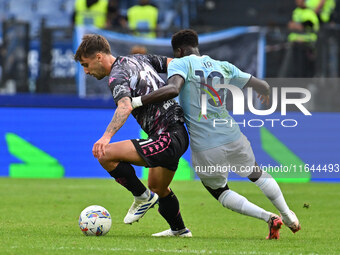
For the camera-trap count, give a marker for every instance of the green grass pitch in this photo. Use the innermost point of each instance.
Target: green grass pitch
(41, 217)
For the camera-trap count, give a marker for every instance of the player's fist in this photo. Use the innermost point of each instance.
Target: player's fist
(98, 149)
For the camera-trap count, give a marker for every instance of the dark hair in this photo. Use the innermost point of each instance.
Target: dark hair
(183, 38)
(90, 45)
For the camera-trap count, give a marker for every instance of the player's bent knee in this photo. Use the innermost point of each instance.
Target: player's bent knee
(103, 161)
(107, 164)
(154, 188)
(255, 174)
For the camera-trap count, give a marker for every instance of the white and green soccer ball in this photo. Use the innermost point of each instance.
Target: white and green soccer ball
(95, 220)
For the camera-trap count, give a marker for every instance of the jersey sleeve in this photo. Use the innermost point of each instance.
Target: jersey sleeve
(159, 63)
(120, 86)
(177, 66)
(238, 78)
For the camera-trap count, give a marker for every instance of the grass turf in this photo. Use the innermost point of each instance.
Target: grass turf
(41, 217)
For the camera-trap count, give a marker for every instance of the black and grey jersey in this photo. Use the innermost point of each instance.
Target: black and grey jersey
(137, 75)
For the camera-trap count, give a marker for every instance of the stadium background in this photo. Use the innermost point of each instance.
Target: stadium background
(51, 114)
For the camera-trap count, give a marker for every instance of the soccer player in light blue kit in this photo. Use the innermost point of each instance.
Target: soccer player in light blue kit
(217, 147)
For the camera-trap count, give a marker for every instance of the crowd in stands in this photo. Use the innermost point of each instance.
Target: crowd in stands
(151, 18)
(148, 18)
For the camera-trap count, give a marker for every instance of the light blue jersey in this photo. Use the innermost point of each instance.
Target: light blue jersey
(201, 75)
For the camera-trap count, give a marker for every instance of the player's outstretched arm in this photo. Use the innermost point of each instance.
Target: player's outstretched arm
(167, 92)
(120, 116)
(261, 87)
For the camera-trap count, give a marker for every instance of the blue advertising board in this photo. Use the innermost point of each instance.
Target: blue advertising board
(57, 142)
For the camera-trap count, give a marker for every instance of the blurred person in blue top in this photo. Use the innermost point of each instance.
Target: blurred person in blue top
(218, 148)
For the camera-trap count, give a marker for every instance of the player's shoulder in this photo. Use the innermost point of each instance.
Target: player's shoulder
(175, 62)
(206, 59)
(120, 63)
(180, 61)
(133, 59)
(127, 65)
(213, 60)
(148, 57)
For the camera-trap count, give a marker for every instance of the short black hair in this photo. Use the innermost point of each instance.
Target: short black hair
(184, 38)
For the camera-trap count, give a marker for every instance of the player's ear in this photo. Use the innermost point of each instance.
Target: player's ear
(99, 56)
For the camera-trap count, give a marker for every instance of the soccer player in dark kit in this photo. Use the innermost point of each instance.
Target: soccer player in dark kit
(131, 76)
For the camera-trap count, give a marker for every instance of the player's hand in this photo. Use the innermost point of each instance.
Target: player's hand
(263, 98)
(98, 149)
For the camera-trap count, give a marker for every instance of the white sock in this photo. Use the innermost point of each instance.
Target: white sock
(271, 189)
(240, 204)
(144, 196)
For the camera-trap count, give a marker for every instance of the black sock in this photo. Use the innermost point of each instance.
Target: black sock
(126, 176)
(169, 209)
(256, 174)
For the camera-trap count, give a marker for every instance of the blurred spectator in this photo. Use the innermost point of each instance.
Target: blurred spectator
(91, 12)
(304, 24)
(300, 57)
(115, 21)
(323, 8)
(142, 19)
(138, 49)
(167, 14)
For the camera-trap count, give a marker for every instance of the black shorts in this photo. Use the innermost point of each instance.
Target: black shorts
(165, 149)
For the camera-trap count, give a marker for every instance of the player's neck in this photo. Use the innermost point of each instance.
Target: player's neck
(191, 51)
(112, 59)
(108, 63)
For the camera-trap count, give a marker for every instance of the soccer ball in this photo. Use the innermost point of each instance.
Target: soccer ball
(95, 220)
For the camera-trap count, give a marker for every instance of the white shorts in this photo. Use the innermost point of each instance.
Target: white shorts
(212, 166)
